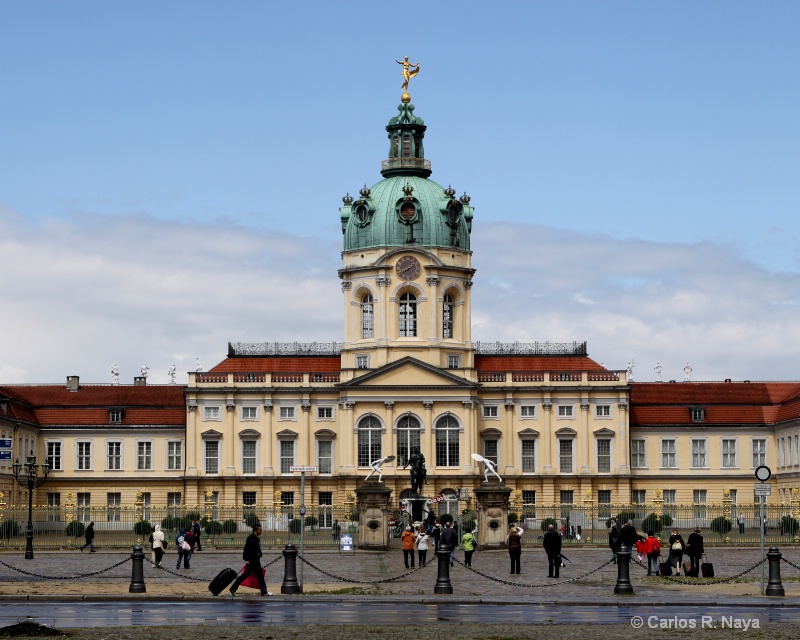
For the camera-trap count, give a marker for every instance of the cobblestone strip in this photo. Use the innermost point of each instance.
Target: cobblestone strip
(351, 581)
(185, 577)
(76, 577)
(535, 586)
(704, 583)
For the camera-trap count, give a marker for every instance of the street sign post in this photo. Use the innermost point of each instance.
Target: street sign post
(762, 490)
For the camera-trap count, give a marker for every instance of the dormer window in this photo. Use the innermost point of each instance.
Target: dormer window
(115, 416)
(698, 414)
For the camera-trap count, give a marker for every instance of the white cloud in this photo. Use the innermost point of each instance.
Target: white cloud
(84, 293)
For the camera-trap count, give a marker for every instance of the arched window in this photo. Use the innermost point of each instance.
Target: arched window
(369, 441)
(408, 315)
(408, 438)
(449, 504)
(448, 312)
(367, 317)
(447, 453)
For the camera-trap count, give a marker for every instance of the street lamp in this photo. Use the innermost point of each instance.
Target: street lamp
(31, 479)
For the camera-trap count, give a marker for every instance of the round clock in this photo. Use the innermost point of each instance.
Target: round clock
(408, 268)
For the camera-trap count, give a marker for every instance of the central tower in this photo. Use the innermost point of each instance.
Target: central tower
(407, 264)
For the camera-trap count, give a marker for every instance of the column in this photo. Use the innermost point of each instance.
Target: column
(268, 441)
(507, 441)
(230, 441)
(584, 452)
(390, 438)
(433, 296)
(547, 438)
(623, 465)
(192, 438)
(348, 455)
(431, 446)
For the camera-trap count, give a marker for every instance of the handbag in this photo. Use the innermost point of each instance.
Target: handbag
(676, 546)
(252, 579)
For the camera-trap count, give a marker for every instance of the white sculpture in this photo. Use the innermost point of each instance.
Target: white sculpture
(658, 369)
(630, 370)
(376, 466)
(687, 372)
(488, 467)
(145, 369)
(173, 371)
(115, 374)
(199, 366)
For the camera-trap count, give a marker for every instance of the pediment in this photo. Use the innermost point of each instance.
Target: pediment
(491, 432)
(325, 433)
(604, 432)
(211, 434)
(249, 433)
(530, 433)
(286, 434)
(409, 372)
(566, 431)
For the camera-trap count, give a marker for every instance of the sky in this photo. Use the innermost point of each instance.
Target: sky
(171, 173)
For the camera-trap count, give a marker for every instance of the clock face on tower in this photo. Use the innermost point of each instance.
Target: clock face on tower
(408, 268)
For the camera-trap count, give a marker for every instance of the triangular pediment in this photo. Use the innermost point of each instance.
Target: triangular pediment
(605, 431)
(211, 434)
(409, 372)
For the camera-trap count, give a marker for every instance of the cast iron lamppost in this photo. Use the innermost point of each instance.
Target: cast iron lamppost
(31, 479)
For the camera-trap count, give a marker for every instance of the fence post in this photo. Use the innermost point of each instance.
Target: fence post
(290, 584)
(137, 573)
(774, 586)
(623, 586)
(443, 584)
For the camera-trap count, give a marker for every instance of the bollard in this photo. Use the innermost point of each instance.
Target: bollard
(623, 586)
(774, 585)
(290, 584)
(443, 578)
(137, 573)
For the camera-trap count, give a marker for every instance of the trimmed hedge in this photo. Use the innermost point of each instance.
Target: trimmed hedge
(720, 525)
(546, 523)
(295, 526)
(213, 527)
(142, 528)
(229, 526)
(75, 529)
(9, 529)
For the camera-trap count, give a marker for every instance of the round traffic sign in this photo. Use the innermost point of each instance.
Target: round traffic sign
(763, 473)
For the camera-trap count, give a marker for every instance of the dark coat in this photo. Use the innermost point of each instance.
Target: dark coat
(89, 533)
(672, 540)
(614, 539)
(449, 537)
(694, 545)
(629, 535)
(252, 550)
(552, 542)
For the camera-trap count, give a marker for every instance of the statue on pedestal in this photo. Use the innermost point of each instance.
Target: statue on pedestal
(488, 467)
(376, 466)
(419, 474)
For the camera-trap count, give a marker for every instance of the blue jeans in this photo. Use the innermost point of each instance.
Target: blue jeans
(89, 543)
(652, 562)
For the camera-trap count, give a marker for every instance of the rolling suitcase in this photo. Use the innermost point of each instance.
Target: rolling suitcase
(707, 568)
(665, 568)
(222, 580)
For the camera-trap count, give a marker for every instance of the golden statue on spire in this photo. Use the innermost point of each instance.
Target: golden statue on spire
(409, 71)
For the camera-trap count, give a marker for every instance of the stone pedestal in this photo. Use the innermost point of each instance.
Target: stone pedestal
(492, 506)
(373, 516)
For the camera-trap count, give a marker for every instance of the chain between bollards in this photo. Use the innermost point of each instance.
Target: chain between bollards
(137, 572)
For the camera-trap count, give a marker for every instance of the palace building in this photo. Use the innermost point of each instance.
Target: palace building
(560, 428)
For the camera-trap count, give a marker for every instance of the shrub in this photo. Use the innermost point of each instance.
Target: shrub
(251, 520)
(788, 525)
(720, 525)
(213, 527)
(142, 528)
(621, 518)
(655, 524)
(75, 529)
(295, 526)
(174, 523)
(445, 518)
(311, 521)
(9, 529)
(546, 523)
(229, 526)
(513, 518)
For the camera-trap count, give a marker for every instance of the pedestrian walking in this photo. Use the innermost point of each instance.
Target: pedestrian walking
(184, 549)
(514, 544)
(468, 545)
(252, 562)
(89, 536)
(449, 540)
(614, 541)
(652, 547)
(676, 549)
(695, 551)
(157, 544)
(551, 541)
(422, 545)
(196, 535)
(628, 536)
(408, 546)
(436, 532)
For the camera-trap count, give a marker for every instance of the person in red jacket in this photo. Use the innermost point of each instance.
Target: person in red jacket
(653, 549)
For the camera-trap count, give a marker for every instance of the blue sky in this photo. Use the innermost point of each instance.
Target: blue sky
(641, 160)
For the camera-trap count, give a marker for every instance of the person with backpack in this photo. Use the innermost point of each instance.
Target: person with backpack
(652, 547)
(676, 548)
(184, 549)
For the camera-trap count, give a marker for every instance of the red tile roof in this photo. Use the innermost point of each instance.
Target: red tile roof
(536, 363)
(284, 364)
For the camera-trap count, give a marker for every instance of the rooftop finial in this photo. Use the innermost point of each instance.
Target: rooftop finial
(410, 70)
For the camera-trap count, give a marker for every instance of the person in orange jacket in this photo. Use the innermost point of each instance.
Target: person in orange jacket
(408, 546)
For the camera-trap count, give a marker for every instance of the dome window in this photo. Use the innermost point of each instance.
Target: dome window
(408, 211)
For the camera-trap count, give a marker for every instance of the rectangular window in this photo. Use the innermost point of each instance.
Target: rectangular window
(174, 456)
(670, 496)
(759, 452)
(527, 411)
(115, 415)
(565, 411)
(638, 458)
(84, 504)
(362, 362)
(528, 456)
(211, 413)
(287, 455)
(287, 413)
(490, 411)
(565, 456)
(699, 453)
(698, 414)
(668, 454)
(212, 456)
(604, 503)
(84, 456)
(729, 453)
(490, 451)
(639, 496)
(325, 510)
(324, 413)
(114, 501)
(603, 411)
(699, 500)
(453, 362)
(146, 500)
(604, 455)
(54, 507)
(325, 456)
(249, 413)
(248, 456)
(567, 496)
(114, 456)
(144, 456)
(174, 504)
(249, 498)
(287, 500)
(54, 455)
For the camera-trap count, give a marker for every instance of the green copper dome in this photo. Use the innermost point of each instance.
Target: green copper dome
(406, 208)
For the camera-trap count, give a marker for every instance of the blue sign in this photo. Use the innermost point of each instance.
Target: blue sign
(5, 443)
(5, 454)
(346, 542)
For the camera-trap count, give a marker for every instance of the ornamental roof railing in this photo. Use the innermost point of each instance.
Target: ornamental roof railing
(531, 349)
(404, 163)
(284, 349)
